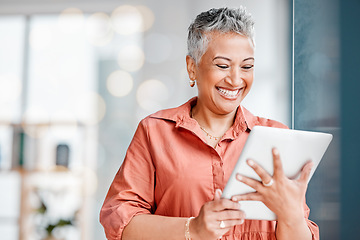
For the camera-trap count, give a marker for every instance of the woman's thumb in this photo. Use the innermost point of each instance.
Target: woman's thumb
(218, 193)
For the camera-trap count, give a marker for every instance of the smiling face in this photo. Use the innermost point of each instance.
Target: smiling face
(224, 74)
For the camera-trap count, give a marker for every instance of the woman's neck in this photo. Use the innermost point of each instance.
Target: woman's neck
(211, 123)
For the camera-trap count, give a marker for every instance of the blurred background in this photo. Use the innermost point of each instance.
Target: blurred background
(77, 76)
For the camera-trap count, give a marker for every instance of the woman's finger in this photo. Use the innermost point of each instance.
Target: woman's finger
(249, 181)
(278, 168)
(227, 224)
(222, 204)
(231, 215)
(264, 176)
(305, 172)
(253, 196)
(218, 193)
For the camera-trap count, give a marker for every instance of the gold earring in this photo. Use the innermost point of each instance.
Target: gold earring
(192, 83)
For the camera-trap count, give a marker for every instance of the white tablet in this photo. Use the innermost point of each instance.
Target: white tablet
(295, 147)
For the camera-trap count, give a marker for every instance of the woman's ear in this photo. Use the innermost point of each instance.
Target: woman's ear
(191, 67)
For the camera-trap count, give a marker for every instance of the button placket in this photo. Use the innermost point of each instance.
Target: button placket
(218, 172)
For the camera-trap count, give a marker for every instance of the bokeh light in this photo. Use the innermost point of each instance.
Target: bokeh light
(119, 83)
(147, 17)
(127, 20)
(158, 48)
(131, 58)
(10, 88)
(99, 29)
(90, 108)
(70, 20)
(152, 95)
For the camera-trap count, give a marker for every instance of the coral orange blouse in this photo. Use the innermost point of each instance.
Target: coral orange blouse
(170, 170)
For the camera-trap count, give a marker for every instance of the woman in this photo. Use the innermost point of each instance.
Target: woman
(169, 185)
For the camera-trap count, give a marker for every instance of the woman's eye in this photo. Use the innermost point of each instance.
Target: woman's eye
(222, 66)
(247, 67)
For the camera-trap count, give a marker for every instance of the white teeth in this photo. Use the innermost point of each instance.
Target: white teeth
(228, 93)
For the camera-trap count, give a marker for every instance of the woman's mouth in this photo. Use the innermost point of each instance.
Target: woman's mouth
(232, 94)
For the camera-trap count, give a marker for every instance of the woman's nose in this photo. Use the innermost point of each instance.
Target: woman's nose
(235, 78)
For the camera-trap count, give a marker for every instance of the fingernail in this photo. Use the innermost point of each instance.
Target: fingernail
(242, 221)
(234, 199)
(238, 177)
(275, 151)
(251, 162)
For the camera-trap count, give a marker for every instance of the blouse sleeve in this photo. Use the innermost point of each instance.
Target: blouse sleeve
(314, 229)
(132, 190)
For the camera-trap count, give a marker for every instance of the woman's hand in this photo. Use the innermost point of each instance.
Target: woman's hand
(285, 197)
(216, 218)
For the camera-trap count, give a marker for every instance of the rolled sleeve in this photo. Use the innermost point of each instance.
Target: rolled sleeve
(314, 229)
(132, 190)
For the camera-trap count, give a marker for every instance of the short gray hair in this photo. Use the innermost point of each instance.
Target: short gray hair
(222, 20)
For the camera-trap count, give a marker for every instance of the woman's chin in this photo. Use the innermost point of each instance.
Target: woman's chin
(226, 107)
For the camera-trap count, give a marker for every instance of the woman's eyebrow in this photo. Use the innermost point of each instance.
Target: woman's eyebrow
(228, 59)
(249, 58)
(222, 57)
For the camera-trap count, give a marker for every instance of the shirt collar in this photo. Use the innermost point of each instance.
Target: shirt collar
(244, 119)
